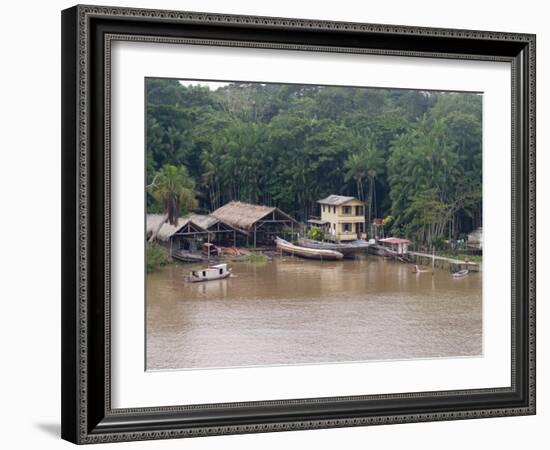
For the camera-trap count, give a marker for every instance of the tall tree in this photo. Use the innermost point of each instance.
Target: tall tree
(173, 188)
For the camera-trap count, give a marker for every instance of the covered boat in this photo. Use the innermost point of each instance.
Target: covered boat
(348, 249)
(217, 272)
(310, 253)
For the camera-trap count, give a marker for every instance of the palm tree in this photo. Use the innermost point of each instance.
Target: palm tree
(374, 162)
(356, 169)
(173, 188)
(365, 161)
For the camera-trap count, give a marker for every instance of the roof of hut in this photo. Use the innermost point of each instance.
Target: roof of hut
(245, 215)
(395, 240)
(154, 221)
(203, 221)
(336, 200)
(208, 221)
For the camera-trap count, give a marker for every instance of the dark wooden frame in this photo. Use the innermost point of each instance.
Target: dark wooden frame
(87, 32)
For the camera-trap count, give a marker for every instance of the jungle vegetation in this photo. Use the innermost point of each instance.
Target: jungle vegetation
(413, 156)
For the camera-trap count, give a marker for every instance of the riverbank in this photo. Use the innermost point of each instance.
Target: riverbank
(265, 254)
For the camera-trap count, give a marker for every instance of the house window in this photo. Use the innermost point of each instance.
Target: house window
(346, 227)
(323, 208)
(358, 210)
(334, 209)
(359, 228)
(346, 209)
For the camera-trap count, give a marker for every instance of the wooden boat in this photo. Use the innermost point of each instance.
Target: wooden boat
(460, 273)
(217, 272)
(304, 252)
(349, 249)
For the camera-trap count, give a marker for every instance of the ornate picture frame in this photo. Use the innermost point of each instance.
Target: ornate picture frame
(87, 36)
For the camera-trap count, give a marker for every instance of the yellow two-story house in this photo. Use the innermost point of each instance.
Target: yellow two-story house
(343, 218)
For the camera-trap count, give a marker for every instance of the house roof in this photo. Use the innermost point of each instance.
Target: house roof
(395, 240)
(336, 200)
(245, 215)
(317, 221)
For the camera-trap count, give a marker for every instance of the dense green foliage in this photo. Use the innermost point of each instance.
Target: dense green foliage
(174, 190)
(315, 233)
(413, 155)
(156, 257)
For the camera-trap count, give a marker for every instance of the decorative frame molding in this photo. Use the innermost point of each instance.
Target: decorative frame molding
(87, 34)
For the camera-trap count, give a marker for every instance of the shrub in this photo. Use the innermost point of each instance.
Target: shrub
(156, 257)
(315, 233)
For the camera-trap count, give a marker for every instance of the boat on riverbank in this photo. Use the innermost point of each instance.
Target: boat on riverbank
(217, 272)
(348, 249)
(305, 252)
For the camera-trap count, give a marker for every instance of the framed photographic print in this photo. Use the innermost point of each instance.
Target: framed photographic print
(280, 224)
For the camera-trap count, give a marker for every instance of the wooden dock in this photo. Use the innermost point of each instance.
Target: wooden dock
(445, 262)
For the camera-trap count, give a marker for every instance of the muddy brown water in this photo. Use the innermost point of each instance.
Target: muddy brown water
(295, 311)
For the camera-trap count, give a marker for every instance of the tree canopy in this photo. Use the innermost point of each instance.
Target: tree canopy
(414, 155)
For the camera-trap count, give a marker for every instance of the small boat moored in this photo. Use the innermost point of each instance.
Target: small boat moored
(217, 272)
(310, 253)
(460, 273)
(348, 249)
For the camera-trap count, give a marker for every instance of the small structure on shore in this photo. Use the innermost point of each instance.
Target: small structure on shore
(262, 224)
(220, 232)
(342, 218)
(475, 240)
(185, 239)
(396, 246)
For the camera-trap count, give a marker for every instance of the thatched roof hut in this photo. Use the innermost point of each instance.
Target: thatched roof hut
(194, 226)
(203, 221)
(262, 223)
(157, 224)
(245, 215)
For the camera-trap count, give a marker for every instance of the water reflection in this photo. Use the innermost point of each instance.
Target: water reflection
(293, 311)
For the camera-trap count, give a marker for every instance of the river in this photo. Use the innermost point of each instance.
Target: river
(295, 311)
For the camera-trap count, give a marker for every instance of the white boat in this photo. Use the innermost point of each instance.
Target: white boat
(217, 272)
(348, 249)
(304, 252)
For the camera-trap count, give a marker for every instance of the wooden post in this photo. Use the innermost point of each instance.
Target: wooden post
(234, 238)
(254, 235)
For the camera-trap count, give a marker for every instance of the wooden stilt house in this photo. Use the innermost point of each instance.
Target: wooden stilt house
(261, 223)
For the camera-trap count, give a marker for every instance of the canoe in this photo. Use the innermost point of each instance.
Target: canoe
(460, 273)
(349, 249)
(304, 252)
